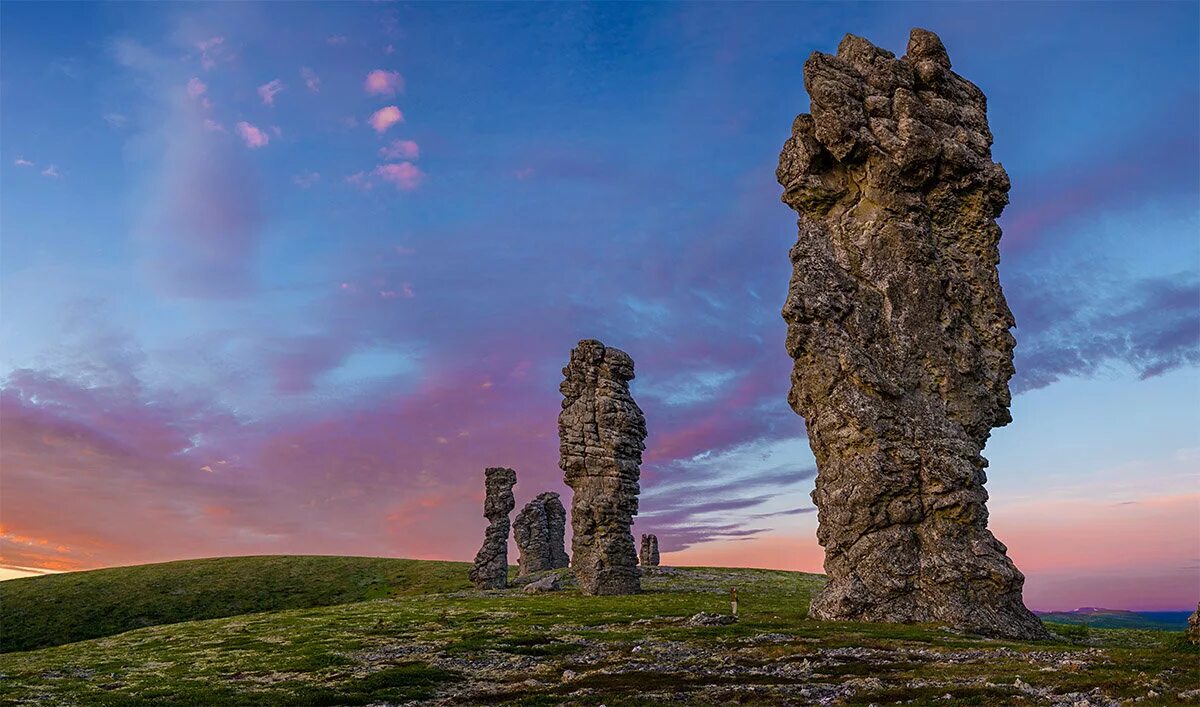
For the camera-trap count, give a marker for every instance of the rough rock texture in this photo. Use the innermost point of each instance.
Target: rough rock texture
(1193, 629)
(900, 336)
(549, 583)
(539, 530)
(649, 554)
(491, 562)
(601, 433)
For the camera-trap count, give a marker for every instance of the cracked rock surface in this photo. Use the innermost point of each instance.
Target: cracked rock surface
(539, 530)
(649, 553)
(900, 336)
(601, 433)
(490, 570)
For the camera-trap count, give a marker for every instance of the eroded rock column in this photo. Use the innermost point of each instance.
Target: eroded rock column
(900, 336)
(539, 530)
(602, 434)
(649, 553)
(490, 570)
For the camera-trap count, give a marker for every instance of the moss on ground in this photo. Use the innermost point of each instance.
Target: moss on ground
(464, 646)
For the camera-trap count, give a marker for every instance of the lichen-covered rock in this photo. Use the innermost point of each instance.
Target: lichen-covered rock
(649, 553)
(549, 583)
(602, 434)
(539, 530)
(900, 336)
(1193, 629)
(490, 570)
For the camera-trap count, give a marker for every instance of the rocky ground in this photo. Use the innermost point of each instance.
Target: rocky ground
(673, 643)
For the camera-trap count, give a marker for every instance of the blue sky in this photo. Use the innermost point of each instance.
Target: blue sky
(248, 308)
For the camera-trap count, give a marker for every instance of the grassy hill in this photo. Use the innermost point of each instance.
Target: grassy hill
(51, 610)
(462, 646)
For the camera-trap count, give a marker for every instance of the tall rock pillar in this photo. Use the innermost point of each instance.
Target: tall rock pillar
(900, 336)
(601, 434)
(490, 570)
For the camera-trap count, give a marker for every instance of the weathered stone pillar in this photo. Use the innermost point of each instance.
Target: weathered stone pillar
(601, 437)
(539, 530)
(900, 336)
(491, 563)
(649, 553)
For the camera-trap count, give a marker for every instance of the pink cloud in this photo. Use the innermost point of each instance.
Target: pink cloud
(384, 83)
(252, 136)
(22, 162)
(209, 49)
(311, 80)
(305, 180)
(400, 150)
(385, 118)
(196, 88)
(269, 90)
(405, 175)
(51, 172)
(360, 180)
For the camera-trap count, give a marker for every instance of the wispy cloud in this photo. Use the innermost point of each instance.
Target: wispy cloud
(51, 172)
(22, 162)
(311, 80)
(304, 180)
(269, 90)
(400, 150)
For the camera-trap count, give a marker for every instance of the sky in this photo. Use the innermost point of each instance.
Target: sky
(285, 278)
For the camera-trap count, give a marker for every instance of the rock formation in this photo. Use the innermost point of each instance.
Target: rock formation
(539, 530)
(601, 433)
(1193, 629)
(900, 336)
(649, 552)
(491, 562)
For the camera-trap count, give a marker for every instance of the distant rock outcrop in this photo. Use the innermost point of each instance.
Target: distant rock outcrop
(900, 336)
(1193, 629)
(539, 530)
(490, 570)
(649, 553)
(601, 437)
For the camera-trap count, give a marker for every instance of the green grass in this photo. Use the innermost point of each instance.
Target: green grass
(51, 610)
(462, 646)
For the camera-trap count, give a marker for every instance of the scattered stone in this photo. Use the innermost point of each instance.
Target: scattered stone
(706, 619)
(539, 530)
(490, 570)
(900, 335)
(649, 554)
(602, 434)
(549, 583)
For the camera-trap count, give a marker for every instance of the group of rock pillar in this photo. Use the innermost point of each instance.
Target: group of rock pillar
(899, 334)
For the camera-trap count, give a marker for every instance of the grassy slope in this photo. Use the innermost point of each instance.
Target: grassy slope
(37, 612)
(507, 647)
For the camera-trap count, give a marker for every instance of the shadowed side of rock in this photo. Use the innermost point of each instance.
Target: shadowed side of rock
(899, 333)
(490, 570)
(649, 553)
(539, 530)
(602, 435)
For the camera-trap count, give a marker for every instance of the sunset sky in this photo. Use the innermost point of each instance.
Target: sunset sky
(284, 278)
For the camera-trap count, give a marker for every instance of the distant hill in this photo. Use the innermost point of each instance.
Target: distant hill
(37, 612)
(1119, 618)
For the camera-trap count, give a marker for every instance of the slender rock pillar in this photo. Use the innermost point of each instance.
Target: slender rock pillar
(490, 570)
(539, 530)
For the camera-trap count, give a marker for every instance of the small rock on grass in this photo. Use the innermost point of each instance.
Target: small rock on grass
(706, 619)
(549, 583)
